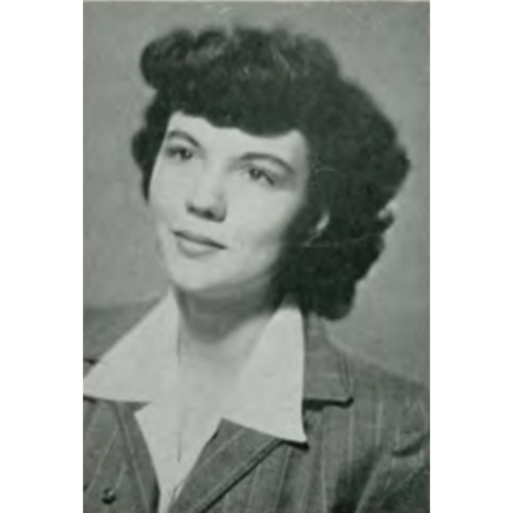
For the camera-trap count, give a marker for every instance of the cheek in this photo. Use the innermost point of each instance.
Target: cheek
(264, 231)
(166, 193)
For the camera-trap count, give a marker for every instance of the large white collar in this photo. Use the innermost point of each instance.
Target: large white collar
(269, 392)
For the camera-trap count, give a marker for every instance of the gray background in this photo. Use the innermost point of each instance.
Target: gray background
(384, 46)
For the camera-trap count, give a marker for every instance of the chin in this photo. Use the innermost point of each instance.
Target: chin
(196, 288)
(190, 282)
(199, 282)
(213, 284)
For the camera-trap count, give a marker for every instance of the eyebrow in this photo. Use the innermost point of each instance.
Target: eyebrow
(272, 158)
(183, 135)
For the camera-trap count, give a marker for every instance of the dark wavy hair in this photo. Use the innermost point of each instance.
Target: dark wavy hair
(269, 82)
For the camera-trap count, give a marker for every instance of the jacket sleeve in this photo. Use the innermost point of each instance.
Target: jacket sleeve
(399, 482)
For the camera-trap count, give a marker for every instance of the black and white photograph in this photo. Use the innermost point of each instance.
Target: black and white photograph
(256, 257)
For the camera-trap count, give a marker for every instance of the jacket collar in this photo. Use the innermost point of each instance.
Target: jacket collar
(327, 373)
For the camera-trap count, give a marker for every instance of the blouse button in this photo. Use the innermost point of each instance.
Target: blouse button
(108, 496)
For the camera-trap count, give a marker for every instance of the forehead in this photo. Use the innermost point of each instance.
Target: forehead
(290, 146)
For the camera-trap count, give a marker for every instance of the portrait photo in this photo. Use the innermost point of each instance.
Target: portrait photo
(256, 257)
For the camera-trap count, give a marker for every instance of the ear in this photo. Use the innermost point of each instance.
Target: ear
(320, 225)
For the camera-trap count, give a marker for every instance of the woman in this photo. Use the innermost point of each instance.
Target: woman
(268, 174)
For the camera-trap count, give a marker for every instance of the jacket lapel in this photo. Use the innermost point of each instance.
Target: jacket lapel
(138, 458)
(230, 455)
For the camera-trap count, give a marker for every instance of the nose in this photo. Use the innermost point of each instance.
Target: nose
(207, 197)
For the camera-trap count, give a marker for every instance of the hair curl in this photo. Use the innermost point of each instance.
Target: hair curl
(269, 82)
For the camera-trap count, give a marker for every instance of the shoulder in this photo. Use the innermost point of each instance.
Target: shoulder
(384, 431)
(394, 407)
(367, 385)
(104, 325)
(376, 387)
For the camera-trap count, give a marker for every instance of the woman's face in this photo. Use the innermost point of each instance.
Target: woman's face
(224, 202)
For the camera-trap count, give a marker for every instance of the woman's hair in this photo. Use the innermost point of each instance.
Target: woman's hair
(268, 82)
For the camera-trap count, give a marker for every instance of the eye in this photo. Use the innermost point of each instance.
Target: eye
(260, 175)
(179, 153)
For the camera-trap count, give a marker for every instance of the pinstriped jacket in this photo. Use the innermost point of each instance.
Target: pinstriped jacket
(366, 452)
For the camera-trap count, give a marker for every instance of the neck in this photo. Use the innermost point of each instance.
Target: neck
(222, 330)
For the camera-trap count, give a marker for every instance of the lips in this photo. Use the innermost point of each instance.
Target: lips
(193, 245)
(199, 239)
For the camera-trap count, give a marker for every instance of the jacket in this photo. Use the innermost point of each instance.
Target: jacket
(367, 448)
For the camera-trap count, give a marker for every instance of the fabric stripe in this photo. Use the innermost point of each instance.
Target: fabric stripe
(424, 414)
(324, 484)
(142, 498)
(270, 477)
(227, 502)
(98, 435)
(350, 449)
(107, 481)
(236, 498)
(99, 467)
(206, 487)
(305, 488)
(378, 423)
(400, 485)
(215, 491)
(253, 488)
(125, 502)
(387, 479)
(316, 491)
(283, 473)
(90, 413)
(119, 478)
(89, 409)
(306, 463)
(219, 450)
